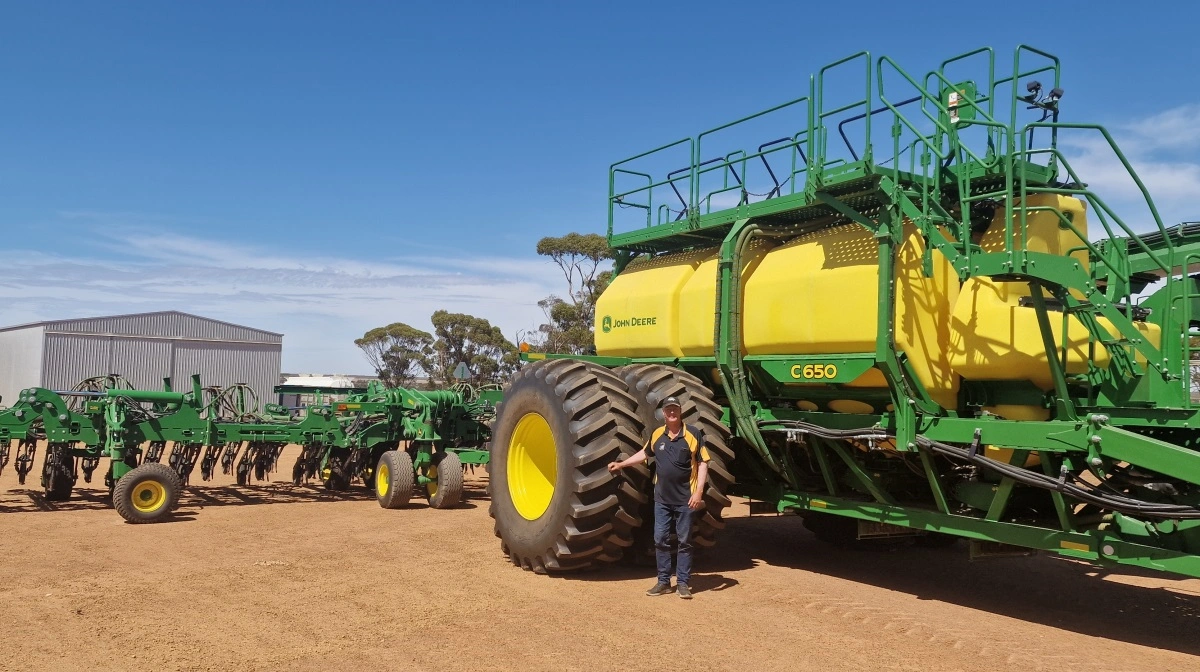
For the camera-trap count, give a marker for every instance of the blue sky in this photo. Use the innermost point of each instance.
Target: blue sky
(318, 169)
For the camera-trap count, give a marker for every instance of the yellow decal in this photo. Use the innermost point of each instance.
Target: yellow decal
(814, 371)
(817, 504)
(1074, 546)
(535, 355)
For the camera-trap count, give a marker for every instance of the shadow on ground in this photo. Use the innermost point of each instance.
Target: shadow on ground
(1045, 589)
(198, 497)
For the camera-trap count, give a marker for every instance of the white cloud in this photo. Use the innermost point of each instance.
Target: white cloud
(1161, 149)
(320, 303)
(1175, 129)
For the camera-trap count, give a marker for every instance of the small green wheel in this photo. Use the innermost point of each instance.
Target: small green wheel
(394, 479)
(445, 487)
(147, 494)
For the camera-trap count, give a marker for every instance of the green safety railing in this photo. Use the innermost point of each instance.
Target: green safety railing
(808, 149)
(795, 146)
(940, 158)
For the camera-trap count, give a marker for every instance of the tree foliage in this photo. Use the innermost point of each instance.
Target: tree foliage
(578, 255)
(489, 356)
(570, 321)
(398, 352)
(401, 353)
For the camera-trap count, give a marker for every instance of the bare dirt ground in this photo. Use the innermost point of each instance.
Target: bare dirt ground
(276, 577)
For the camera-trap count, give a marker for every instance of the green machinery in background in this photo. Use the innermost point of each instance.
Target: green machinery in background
(402, 439)
(890, 317)
(136, 430)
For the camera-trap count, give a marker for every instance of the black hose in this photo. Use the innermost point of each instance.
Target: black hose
(1079, 489)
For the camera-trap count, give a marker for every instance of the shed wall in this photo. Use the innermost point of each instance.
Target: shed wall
(143, 348)
(20, 361)
(144, 362)
(225, 364)
(70, 358)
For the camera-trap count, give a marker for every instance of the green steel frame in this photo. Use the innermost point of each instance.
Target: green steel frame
(340, 441)
(956, 147)
(430, 422)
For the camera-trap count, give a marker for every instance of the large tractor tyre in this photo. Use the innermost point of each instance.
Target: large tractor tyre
(147, 494)
(394, 479)
(58, 474)
(556, 506)
(650, 384)
(445, 489)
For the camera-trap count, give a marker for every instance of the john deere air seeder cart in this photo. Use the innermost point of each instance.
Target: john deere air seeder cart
(896, 309)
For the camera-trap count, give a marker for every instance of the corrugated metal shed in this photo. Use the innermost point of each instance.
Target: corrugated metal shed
(21, 353)
(225, 364)
(142, 347)
(164, 324)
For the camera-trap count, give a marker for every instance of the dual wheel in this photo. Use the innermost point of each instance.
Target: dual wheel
(555, 504)
(395, 480)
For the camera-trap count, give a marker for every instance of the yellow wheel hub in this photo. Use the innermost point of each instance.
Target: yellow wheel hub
(383, 479)
(532, 466)
(149, 496)
(431, 486)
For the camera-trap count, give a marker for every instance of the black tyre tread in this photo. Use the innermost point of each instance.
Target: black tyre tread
(603, 426)
(335, 483)
(650, 384)
(402, 479)
(450, 483)
(59, 489)
(162, 473)
(177, 492)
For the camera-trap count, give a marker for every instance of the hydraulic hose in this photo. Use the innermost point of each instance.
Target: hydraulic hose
(1078, 489)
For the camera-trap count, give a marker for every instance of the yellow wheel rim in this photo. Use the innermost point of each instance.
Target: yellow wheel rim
(532, 466)
(149, 496)
(383, 479)
(431, 486)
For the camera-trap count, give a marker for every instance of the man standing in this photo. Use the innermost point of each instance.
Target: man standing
(681, 470)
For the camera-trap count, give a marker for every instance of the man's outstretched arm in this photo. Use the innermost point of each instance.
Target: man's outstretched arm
(636, 458)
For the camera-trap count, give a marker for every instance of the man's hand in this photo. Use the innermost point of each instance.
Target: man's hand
(614, 467)
(696, 500)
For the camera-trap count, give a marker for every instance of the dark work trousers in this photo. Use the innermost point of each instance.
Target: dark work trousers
(677, 518)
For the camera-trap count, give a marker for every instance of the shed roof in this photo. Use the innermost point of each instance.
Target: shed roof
(161, 324)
